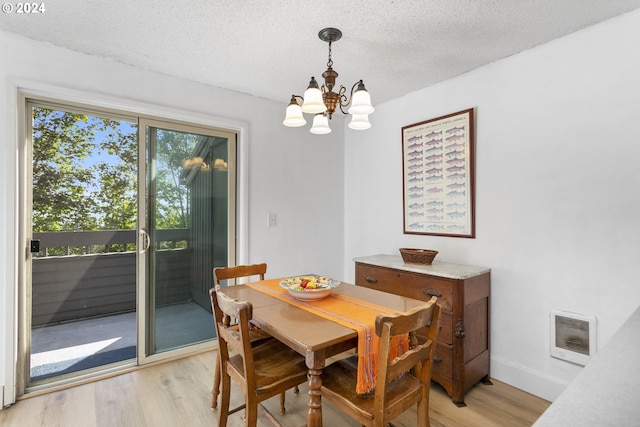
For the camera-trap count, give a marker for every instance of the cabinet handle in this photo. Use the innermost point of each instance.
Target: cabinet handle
(459, 332)
(371, 279)
(437, 359)
(432, 292)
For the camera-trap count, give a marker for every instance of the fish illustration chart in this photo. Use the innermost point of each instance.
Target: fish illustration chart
(436, 180)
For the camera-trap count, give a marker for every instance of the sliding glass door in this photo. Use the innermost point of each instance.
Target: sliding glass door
(125, 217)
(189, 192)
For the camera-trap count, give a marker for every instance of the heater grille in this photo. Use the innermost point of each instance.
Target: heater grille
(573, 336)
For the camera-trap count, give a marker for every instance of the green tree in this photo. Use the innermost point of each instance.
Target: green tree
(84, 172)
(173, 207)
(61, 140)
(117, 197)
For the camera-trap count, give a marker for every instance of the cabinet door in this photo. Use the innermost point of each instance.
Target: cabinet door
(441, 371)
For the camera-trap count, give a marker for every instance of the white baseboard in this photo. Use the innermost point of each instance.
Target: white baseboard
(532, 382)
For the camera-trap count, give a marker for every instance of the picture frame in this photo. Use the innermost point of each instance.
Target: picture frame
(438, 176)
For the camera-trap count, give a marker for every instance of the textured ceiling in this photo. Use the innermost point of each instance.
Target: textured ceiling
(271, 49)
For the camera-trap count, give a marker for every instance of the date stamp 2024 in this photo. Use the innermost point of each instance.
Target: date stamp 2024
(23, 8)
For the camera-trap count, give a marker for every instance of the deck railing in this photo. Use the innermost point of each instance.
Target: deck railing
(68, 243)
(93, 273)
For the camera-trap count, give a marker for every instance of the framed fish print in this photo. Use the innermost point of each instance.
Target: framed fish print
(438, 176)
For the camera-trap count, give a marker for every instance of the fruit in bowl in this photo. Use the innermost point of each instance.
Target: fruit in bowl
(309, 288)
(312, 292)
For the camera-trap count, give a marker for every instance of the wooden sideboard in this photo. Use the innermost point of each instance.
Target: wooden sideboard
(462, 348)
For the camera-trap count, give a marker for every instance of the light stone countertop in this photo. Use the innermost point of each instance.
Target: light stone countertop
(437, 268)
(607, 391)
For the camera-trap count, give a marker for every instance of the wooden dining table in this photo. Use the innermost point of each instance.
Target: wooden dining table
(313, 336)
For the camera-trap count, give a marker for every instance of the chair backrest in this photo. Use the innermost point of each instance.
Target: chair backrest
(231, 335)
(226, 273)
(417, 359)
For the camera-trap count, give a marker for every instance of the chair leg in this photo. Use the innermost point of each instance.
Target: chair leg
(225, 398)
(251, 412)
(423, 409)
(296, 391)
(282, 408)
(216, 385)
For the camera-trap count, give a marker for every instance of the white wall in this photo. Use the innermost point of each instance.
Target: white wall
(557, 190)
(293, 173)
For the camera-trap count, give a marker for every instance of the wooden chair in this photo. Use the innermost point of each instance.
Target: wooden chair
(226, 273)
(401, 382)
(261, 371)
(256, 335)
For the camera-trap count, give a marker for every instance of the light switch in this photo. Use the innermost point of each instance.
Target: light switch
(272, 219)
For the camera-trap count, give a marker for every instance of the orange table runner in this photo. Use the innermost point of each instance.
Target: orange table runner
(350, 312)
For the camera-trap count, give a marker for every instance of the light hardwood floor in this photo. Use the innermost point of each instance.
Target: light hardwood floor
(177, 394)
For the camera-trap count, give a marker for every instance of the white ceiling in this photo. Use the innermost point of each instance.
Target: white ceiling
(271, 49)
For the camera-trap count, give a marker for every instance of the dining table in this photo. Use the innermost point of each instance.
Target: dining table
(315, 337)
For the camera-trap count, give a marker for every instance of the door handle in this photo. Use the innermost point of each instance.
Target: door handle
(34, 246)
(146, 241)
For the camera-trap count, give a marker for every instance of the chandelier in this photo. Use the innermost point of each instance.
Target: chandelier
(322, 102)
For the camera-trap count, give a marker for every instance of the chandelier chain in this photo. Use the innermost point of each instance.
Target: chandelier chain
(330, 61)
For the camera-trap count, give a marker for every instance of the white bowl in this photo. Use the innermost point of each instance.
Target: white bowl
(316, 294)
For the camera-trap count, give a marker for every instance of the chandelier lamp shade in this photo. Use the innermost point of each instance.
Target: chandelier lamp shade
(322, 102)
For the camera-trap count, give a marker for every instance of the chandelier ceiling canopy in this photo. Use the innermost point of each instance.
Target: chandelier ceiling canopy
(322, 102)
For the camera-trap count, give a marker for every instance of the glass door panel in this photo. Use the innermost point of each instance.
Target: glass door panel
(83, 224)
(187, 224)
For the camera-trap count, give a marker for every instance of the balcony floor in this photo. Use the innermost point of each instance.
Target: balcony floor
(84, 344)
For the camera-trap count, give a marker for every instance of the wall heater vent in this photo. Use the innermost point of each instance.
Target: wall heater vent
(573, 336)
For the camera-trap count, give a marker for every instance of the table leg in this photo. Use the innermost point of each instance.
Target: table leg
(315, 399)
(315, 363)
